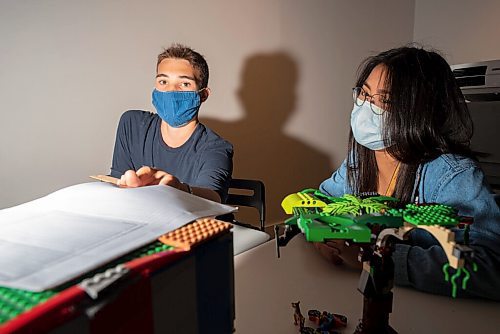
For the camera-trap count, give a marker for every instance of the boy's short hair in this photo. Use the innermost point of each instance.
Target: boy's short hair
(196, 60)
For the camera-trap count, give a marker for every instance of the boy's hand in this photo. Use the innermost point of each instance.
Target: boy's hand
(147, 176)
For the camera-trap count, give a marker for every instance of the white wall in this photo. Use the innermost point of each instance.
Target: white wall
(464, 31)
(281, 78)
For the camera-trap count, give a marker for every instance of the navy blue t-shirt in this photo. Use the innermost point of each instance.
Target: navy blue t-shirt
(204, 160)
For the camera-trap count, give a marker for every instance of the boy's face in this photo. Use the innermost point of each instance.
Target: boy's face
(175, 75)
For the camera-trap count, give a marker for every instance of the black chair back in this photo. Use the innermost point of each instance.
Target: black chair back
(256, 198)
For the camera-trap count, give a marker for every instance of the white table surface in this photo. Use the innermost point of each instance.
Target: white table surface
(245, 238)
(265, 287)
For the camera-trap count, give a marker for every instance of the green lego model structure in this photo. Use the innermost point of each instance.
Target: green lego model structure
(375, 224)
(321, 217)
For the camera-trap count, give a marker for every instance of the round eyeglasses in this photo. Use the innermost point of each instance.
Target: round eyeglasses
(378, 102)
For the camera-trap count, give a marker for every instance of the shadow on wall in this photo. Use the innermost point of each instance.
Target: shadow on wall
(261, 148)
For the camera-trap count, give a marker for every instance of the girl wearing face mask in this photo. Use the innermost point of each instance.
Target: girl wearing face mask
(410, 135)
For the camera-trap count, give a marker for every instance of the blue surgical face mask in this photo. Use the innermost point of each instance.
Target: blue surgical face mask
(367, 126)
(176, 108)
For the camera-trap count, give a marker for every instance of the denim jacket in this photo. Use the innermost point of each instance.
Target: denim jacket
(458, 182)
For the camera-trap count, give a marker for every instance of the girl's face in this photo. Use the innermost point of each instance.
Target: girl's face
(374, 88)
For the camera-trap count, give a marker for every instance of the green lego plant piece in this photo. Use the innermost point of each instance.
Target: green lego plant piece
(455, 276)
(298, 200)
(355, 206)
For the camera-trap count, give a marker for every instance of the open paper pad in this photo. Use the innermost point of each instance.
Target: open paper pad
(56, 238)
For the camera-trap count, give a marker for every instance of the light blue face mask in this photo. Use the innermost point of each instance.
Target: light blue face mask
(176, 108)
(366, 125)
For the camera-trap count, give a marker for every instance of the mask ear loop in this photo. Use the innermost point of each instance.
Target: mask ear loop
(414, 193)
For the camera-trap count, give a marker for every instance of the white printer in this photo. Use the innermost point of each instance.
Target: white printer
(480, 84)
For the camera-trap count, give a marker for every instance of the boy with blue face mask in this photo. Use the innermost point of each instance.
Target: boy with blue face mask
(172, 147)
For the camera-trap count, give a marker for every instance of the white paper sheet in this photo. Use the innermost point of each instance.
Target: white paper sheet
(56, 238)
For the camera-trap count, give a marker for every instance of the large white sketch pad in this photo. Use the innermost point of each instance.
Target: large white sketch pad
(51, 240)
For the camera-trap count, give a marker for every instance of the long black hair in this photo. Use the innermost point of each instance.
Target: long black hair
(427, 116)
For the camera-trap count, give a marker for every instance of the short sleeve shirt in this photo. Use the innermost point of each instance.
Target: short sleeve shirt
(204, 160)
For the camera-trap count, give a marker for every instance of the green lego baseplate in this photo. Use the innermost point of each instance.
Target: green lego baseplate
(429, 214)
(14, 301)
